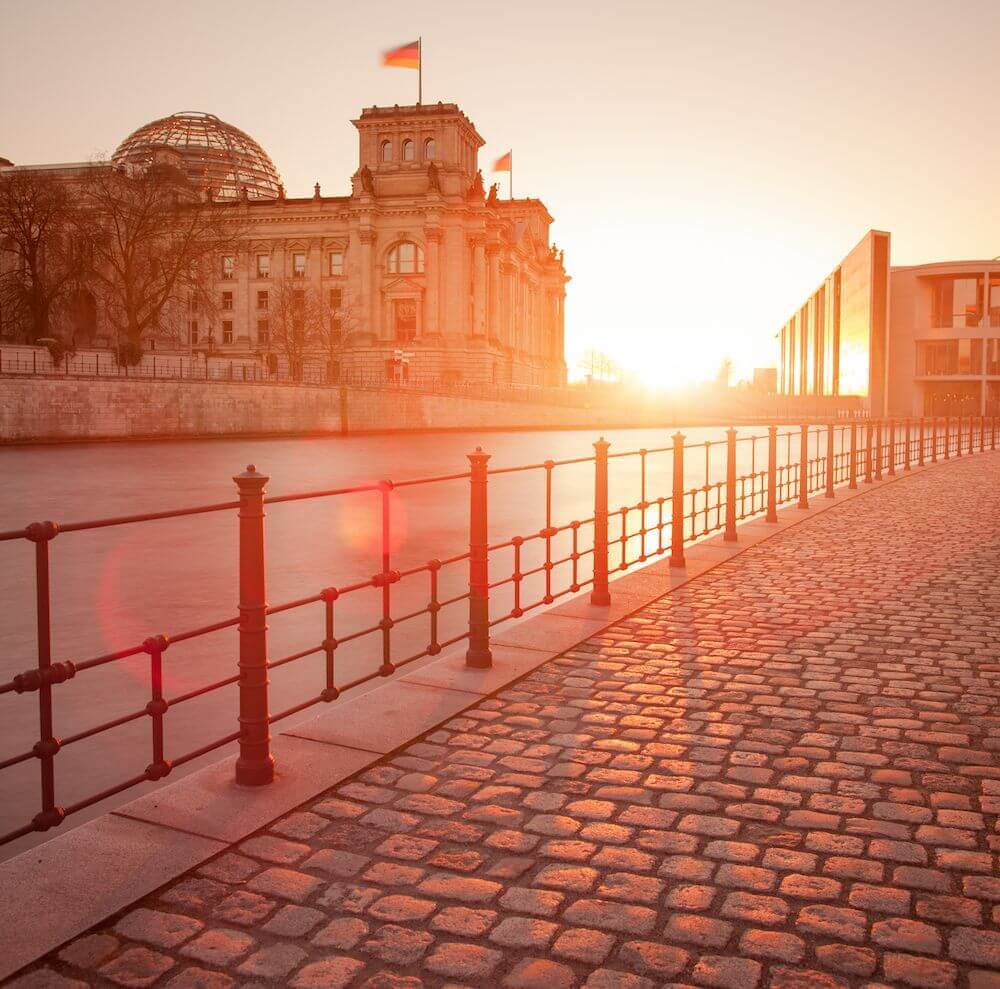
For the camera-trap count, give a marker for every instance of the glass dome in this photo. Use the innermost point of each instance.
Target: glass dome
(215, 154)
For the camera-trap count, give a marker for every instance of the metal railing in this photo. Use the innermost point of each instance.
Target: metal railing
(708, 493)
(179, 367)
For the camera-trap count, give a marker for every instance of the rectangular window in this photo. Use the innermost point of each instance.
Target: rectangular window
(957, 302)
(193, 304)
(228, 266)
(227, 300)
(336, 298)
(193, 330)
(993, 356)
(336, 262)
(263, 299)
(227, 331)
(263, 265)
(263, 332)
(298, 265)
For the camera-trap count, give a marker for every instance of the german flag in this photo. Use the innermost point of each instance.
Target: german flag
(404, 57)
(504, 163)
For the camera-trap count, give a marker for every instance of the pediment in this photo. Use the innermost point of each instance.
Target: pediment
(403, 286)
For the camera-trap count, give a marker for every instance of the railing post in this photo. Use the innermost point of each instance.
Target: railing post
(730, 536)
(804, 467)
(255, 765)
(677, 505)
(947, 437)
(829, 460)
(772, 473)
(600, 595)
(852, 473)
(920, 443)
(934, 440)
(906, 444)
(869, 450)
(892, 447)
(993, 432)
(478, 654)
(982, 433)
(878, 450)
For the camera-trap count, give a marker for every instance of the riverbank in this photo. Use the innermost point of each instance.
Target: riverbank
(49, 410)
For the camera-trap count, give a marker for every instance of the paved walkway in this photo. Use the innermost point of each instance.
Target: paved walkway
(786, 773)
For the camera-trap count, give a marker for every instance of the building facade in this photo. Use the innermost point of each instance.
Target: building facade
(418, 272)
(914, 340)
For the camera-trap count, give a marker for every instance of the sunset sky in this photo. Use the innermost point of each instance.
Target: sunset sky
(707, 163)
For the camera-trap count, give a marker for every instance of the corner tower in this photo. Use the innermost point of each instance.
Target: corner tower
(410, 150)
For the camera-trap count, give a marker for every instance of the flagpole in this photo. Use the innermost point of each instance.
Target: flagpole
(420, 70)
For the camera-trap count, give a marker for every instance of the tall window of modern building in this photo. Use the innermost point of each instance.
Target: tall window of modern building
(336, 262)
(407, 150)
(193, 330)
(263, 265)
(385, 152)
(263, 299)
(957, 302)
(430, 149)
(298, 265)
(227, 300)
(406, 258)
(227, 331)
(228, 266)
(263, 332)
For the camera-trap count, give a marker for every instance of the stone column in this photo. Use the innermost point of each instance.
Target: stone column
(478, 287)
(366, 236)
(493, 302)
(432, 277)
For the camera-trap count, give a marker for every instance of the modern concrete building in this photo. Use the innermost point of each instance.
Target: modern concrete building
(914, 340)
(419, 269)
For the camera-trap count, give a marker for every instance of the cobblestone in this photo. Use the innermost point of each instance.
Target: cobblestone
(785, 773)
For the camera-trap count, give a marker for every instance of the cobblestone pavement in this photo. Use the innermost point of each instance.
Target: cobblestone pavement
(786, 773)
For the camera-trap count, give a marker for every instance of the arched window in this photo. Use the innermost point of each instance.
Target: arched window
(430, 149)
(386, 151)
(406, 258)
(407, 150)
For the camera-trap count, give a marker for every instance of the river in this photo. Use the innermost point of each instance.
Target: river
(113, 587)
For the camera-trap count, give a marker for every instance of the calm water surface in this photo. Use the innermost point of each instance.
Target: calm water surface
(113, 587)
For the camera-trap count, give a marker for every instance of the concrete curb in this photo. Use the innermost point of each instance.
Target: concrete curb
(60, 889)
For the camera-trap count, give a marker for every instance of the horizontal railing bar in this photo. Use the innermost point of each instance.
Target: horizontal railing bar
(200, 691)
(273, 664)
(205, 749)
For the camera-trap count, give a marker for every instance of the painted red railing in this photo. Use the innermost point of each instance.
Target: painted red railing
(779, 467)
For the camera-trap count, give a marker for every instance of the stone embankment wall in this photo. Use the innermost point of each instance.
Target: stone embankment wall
(59, 410)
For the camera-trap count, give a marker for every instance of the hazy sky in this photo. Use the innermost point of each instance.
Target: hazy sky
(707, 163)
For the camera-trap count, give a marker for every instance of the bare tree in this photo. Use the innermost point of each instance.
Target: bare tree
(599, 367)
(153, 242)
(339, 319)
(295, 321)
(44, 258)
